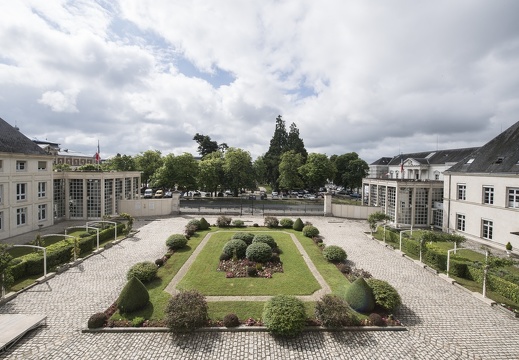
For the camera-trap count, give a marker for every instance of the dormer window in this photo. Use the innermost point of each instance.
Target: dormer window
(499, 160)
(470, 161)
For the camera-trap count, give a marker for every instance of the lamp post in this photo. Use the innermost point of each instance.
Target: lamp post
(401, 232)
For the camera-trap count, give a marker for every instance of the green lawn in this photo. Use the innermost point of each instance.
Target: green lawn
(295, 280)
(298, 274)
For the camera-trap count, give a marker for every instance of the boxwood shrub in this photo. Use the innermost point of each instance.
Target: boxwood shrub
(259, 252)
(334, 254)
(265, 238)
(385, 295)
(235, 246)
(134, 296)
(176, 241)
(298, 225)
(186, 311)
(144, 271)
(310, 231)
(284, 315)
(247, 237)
(332, 311)
(286, 223)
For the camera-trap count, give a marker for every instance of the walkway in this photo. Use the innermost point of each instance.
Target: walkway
(444, 322)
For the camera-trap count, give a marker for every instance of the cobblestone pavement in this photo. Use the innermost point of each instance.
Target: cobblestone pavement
(443, 321)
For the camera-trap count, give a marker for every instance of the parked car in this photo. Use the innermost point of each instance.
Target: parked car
(148, 193)
(168, 194)
(159, 194)
(355, 196)
(275, 195)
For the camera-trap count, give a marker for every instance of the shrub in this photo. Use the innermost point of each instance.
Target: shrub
(310, 231)
(223, 221)
(252, 271)
(334, 254)
(298, 225)
(271, 222)
(333, 311)
(284, 315)
(176, 241)
(133, 297)
(265, 238)
(235, 247)
(376, 320)
(204, 225)
(97, 320)
(385, 295)
(190, 230)
(343, 268)
(259, 252)
(144, 271)
(247, 237)
(275, 259)
(286, 223)
(359, 296)
(231, 320)
(159, 262)
(225, 257)
(186, 311)
(194, 223)
(137, 321)
(238, 223)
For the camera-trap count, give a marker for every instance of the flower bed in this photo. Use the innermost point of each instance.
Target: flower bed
(238, 268)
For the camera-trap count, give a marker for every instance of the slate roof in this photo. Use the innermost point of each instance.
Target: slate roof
(499, 155)
(381, 161)
(13, 141)
(437, 157)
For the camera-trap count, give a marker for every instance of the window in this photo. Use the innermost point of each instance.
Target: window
(462, 192)
(1, 220)
(42, 165)
(42, 212)
(42, 189)
(460, 222)
(488, 195)
(21, 216)
(1, 165)
(488, 226)
(21, 166)
(436, 176)
(513, 197)
(21, 190)
(1, 193)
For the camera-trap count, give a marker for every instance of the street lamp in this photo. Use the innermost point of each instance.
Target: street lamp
(401, 232)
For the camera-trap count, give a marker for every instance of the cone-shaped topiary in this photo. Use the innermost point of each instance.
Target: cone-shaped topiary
(133, 297)
(204, 225)
(360, 296)
(298, 225)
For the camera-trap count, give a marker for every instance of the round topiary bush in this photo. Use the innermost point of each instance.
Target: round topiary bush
(259, 252)
(223, 221)
(231, 320)
(359, 296)
(144, 271)
(310, 231)
(159, 262)
(247, 237)
(334, 254)
(186, 311)
(271, 222)
(298, 225)
(376, 320)
(238, 223)
(204, 225)
(194, 223)
(133, 297)
(385, 295)
(284, 315)
(332, 311)
(225, 257)
(97, 320)
(252, 271)
(286, 223)
(235, 247)
(265, 238)
(176, 241)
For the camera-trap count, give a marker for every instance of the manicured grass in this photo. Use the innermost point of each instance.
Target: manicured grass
(246, 309)
(295, 280)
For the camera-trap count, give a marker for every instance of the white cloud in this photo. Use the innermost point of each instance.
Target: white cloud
(60, 101)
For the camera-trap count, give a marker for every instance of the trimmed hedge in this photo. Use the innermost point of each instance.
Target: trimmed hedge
(334, 254)
(284, 315)
(176, 241)
(259, 252)
(235, 246)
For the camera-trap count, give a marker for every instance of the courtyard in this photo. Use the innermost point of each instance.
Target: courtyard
(443, 321)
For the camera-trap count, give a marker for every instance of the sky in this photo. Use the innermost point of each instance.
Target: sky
(378, 78)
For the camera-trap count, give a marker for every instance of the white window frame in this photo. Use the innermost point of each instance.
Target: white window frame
(461, 193)
(1, 193)
(488, 195)
(42, 212)
(487, 229)
(461, 222)
(1, 220)
(21, 216)
(21, 165)
(21, 191)
(42, 189)
(513, 198)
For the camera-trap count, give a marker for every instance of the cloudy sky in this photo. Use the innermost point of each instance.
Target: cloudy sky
(374, 77)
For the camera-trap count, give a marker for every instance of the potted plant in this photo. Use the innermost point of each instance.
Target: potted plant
(508, 248)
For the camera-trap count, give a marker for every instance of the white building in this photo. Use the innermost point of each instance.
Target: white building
(481, 192)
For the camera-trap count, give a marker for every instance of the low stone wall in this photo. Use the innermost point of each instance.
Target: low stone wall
(353, 211)
(151, 207)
